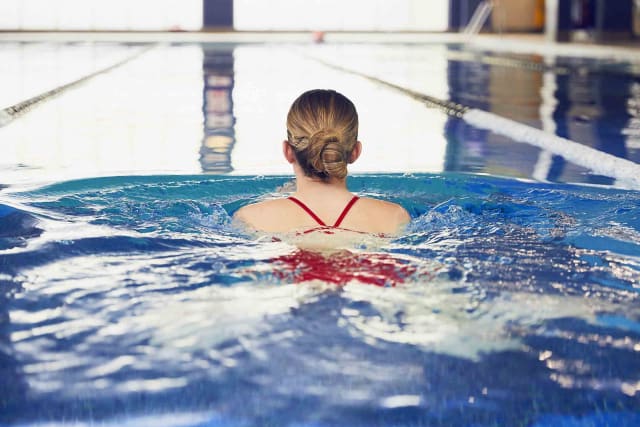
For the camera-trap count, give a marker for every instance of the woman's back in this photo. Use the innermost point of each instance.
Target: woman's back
(322, 139)
(364, 215)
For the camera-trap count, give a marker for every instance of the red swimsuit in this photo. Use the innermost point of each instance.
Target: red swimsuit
(313, 215)
(344, 266)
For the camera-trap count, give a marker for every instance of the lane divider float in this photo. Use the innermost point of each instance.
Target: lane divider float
(9, 114)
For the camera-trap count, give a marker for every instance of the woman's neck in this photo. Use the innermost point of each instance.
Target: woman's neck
(315, 187)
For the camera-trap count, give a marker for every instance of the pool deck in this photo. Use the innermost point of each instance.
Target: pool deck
(507, 42)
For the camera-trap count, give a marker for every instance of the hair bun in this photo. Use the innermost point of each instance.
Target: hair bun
(333, 160)
(326, 153)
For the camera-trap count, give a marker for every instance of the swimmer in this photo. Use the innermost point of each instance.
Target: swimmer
(322, 138)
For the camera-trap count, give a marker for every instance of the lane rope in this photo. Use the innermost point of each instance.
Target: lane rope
(626, 172)
(466, 56)
(9, 114)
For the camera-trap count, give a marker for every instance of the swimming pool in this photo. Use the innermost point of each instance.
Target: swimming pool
(129, 297)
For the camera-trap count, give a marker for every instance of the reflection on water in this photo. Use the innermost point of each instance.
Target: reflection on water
(466, 145)
(590, 105)
(221, 108)
(145, 116)
(592, 109)
(509, 92)
(219, 121)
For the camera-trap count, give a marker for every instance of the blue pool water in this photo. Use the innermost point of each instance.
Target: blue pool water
(137, 300)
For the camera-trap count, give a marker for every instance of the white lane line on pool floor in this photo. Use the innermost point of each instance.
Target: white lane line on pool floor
(9, 114)
(626, 172)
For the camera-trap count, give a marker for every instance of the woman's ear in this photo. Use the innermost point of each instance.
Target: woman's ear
(288, 152)
(355, 153)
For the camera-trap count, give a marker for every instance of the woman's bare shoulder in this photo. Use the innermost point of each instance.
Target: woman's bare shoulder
(266, 215)
(386, 208)
(381, 216)
(260, 208)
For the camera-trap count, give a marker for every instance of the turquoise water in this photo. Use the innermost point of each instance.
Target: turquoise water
(136, 300)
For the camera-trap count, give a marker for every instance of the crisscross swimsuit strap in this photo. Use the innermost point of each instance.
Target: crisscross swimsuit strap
(313, 215)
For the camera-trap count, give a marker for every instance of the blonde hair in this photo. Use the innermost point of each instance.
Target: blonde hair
(322, 128)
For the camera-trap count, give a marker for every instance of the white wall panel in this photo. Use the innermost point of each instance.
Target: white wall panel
(34, 13)
(92, 15)
(9, 13)
(279, 15)
(341, 15)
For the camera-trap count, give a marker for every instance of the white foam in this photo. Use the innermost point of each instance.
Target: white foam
(626, 172)
(159, 420)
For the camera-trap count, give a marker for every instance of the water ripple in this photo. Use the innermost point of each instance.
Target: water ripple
(502, 301)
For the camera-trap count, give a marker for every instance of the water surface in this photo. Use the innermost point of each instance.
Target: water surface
(137, 299)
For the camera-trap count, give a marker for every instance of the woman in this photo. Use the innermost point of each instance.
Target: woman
(322, 138)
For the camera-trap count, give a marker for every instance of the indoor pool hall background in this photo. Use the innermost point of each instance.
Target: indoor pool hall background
(128, 296)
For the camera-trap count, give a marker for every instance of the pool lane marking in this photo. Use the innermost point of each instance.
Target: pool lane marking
(626, 172)
(501, 61)
(9, 114)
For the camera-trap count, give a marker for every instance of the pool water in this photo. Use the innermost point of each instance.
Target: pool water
(513, 303)
(129, 296)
